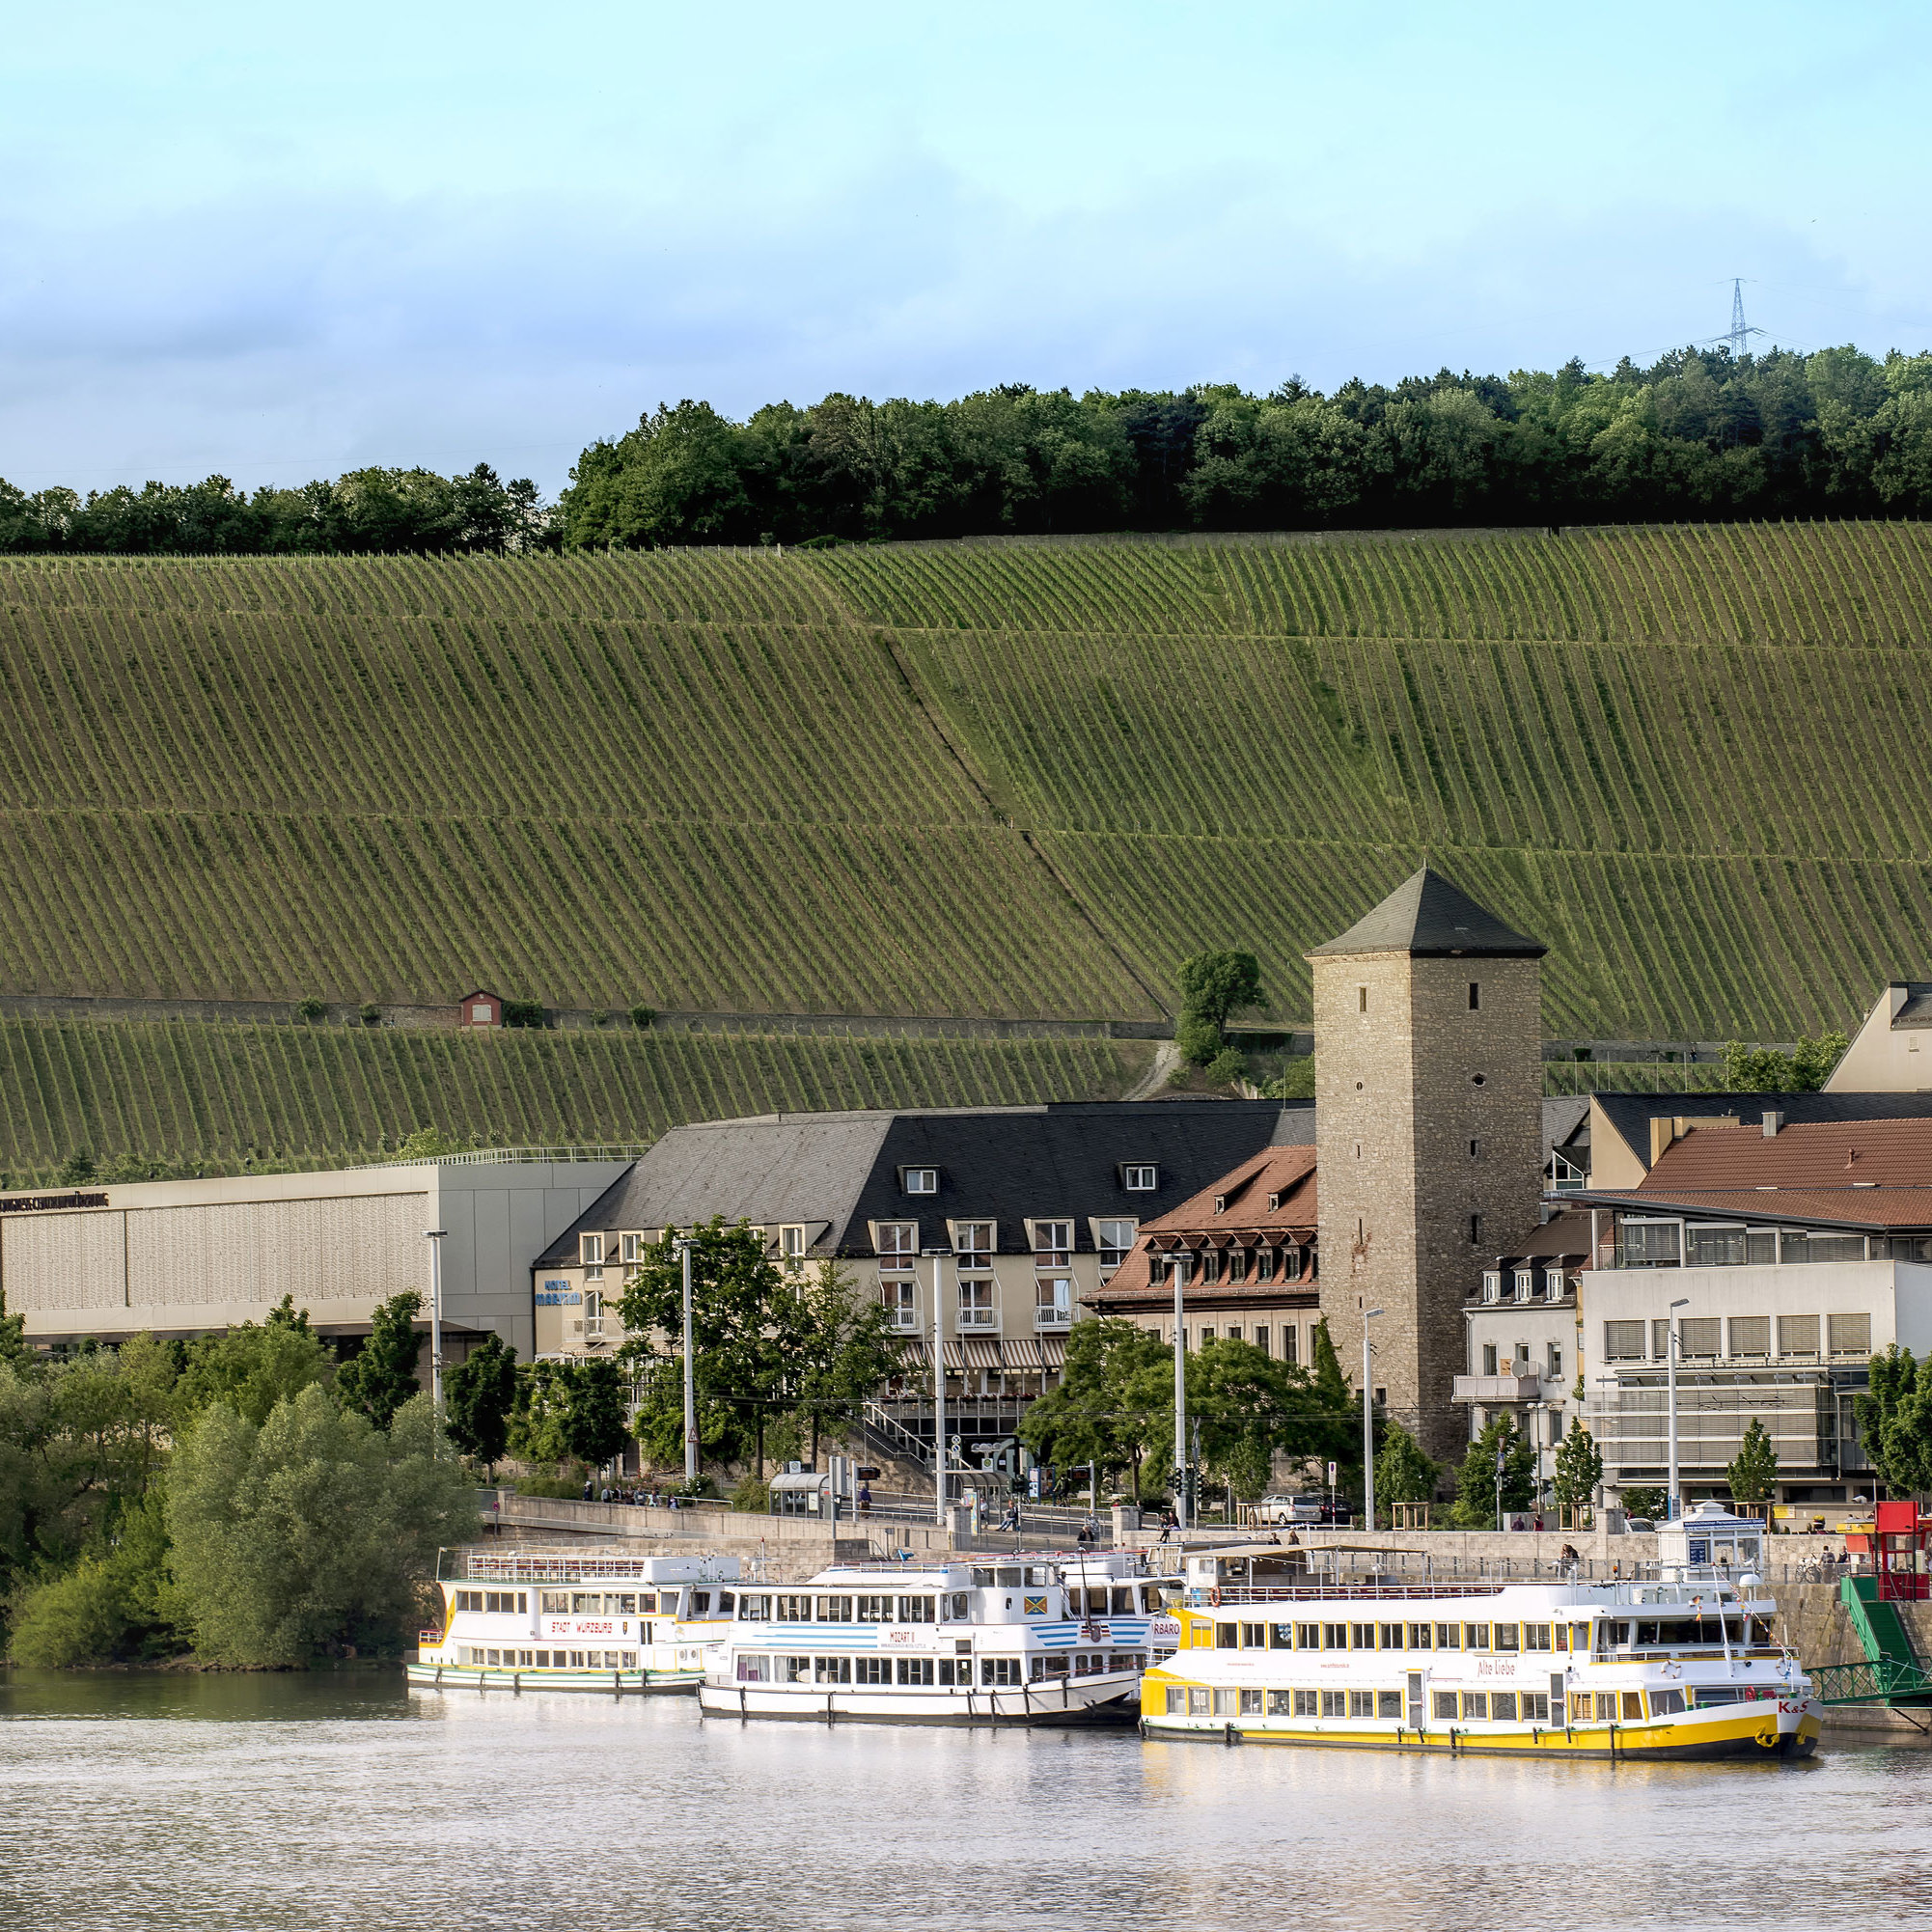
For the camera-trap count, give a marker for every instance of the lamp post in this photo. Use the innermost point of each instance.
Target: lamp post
(434, 1237)
(1182, 1498)
(1367, 1428)
(685, 1244)
(938, 1255)
(1672, 1507)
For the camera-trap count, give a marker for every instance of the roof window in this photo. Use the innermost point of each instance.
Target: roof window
(918, 1180)
(1140, 1176)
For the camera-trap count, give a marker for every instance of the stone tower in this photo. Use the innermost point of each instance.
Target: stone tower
(1428, 1132)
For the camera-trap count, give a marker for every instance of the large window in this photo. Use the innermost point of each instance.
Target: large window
(976, 1305)
(898, 1244)
(972, 1243)
(899, 1294)
(1713, 1246)
(1053, 1301)
(1647, 1244)
(1623, 1341)
(1849, 1334)
(1750, 1335)
(1699, 1336)
(1113, 1238)
(1798, 1335)
(792, 1249)
(1824, 1247)
(1053, 1244)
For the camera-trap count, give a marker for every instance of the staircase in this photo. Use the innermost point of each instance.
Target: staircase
(1892, 1673)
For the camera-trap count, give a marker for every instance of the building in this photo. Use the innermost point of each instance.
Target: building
(1428, 1105)
(1247, 1245)
(479, 1008)
(1033, 1208)
(1891, 1052)
(188, 1257)
(1798, 1249)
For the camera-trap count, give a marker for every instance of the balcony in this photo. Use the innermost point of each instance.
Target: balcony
(1494, 1389)
(903, 1320)
(1053, 1318)
(978, 1321)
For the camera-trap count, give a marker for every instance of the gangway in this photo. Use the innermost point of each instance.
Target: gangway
(1892, 1673)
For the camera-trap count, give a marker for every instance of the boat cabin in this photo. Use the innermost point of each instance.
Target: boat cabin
(1709, 1540)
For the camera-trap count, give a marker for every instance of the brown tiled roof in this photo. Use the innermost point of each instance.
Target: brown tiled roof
(1869, 1174)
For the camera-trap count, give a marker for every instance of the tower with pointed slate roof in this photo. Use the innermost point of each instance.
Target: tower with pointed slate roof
(1428, 1132)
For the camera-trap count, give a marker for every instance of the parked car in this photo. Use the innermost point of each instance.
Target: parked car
(1309, 1511)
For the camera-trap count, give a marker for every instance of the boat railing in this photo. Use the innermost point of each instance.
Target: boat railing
(1336, 1592)
(470, 1565)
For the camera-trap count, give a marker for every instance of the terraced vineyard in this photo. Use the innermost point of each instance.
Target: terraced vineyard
(1020, 780)
(193, 1093)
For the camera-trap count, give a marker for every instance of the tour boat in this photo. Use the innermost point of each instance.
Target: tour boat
(554, 1620)
(1273, 1651)
(1046, 1639)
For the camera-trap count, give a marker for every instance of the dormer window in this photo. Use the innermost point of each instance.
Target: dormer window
(1525, 1283)
(1492, 1285)
(918, 1180)
(1552, 1283)
(1221, 1204)
(1140, 1176)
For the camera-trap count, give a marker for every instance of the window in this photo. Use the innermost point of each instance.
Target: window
(1475, 997)
(1392, 1637)
(1388, 1703)
(1291, 1264)
(1525, 1283)
(1713, 1246)
(1797, 1335)
(1053, 1301)
(972, 1243)
(1553, 1285)
(1053, 1244)
(918, 1180)
(1335, 1703)
(1418, 1636)
(1489, 1358)
(1290, 1345)
(1760, 1246)
(591, 1255)
(1365, 1636)
(1475, 1636)
(1237, 1265)
(1308, 1637)
(1264, 1264)
(897, 1244)
(1446, 1705)
(1623, 1341)
(1553, 1356)
(791, 1248)
(900, 1296)
(1140, 1177)
(1698, 1336)
(873, 1670)
(1475, 1704)
(1507, 1636)
(975, 1304)
(999, 1670)
(633, 1247)
(1849, 1334)
(1535, 1637)
(916, 1610)
(1475, 1150)
(1647, 1244)
(1474, 1229)
(793, 1610)
(1536, 1707)
(480, 1015)
(1361, 999)
(832, 1670)
(1801, 1248)
(872, 1609)
(1492, 1284)
(1113, 1238)
(834, 1608)
(1502, 1706)
(1261, 1336)
(1335, 1637)
(1362, 1703)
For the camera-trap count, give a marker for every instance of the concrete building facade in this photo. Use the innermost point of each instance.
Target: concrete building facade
(1429, 1131)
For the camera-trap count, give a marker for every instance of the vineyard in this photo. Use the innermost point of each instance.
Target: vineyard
(190, 1093)
(1018, 780)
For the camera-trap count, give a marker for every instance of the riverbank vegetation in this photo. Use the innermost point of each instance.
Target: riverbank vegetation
(235, 1499)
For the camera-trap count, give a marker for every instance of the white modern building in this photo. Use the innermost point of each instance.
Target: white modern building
(193, 1257)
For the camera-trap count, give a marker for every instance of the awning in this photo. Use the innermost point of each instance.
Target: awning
(1053, 1351)
(1023, 1355)
(982, 1353)
(911, 1350)
(954, 1357)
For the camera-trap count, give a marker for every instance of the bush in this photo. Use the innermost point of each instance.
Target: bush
(642, 1016)
(310, 1008)
(1199, 1039)
(1226, 1067)
(523, 1012)
(752, 1495)
(75, 1619)
(369, 1014)
(601, 1017)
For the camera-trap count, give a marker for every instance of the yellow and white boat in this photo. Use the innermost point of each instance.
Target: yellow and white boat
(1686, 1668)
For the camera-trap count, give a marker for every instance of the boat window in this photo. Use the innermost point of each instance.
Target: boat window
(1666, 1703)
(1335, 1637)
(793, 1610)
(556, 1601)
(1388, 1703)
(1362, 1703)
(753, 1670)
(1562, 1637)
(1150, 1596)
(955, 1671)
(1280, 1637)
(915, 1670)
(1449, 1637)
(1305, 1704)
(1475, 1636)
(873, 1670)
(916, 1610)
(873, 1609)
(1127, 1660)
(1039, 1577)
(1475, 1704)
(834, 1610)
(1254, 1637)
(1335, 1703)
(1122, 1602)
(754, 1609)
(701, 1603)
(1392, 1637)
(1536, 1706)
(725, 1601)
(1281, 1703)
(1446, 1705)
(983, 1578)
(1010, 1578)
(1535, 1637)
(1308, 1637)
(791, 1669)
(1633, 1704)
(962, 1605)
(1227, 1636)
(1419, 1635)
(1176, 1702)
(1503, 1705)
(1365, 1636)
(999, 1670)
(832, 1670)
(1506, 1637)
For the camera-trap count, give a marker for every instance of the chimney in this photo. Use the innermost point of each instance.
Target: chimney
(1772, 1121)
(1663, 1131)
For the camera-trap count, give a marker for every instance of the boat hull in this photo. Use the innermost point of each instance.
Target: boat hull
(1756, 1734)
(610, 1683)
(1108, 1701)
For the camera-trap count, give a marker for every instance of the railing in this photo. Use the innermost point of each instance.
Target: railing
(1051, 1318)
(516, 1566)
(1366, 1592)
(621, 1150)
(1886, 1681)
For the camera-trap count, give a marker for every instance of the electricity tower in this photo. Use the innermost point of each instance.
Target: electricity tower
(1739, 334)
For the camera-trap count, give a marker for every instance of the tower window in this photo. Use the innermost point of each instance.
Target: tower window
(1475, 1150)
(1474, 1228)
(1475, 997)
(1358, 1150)
(1361, 999)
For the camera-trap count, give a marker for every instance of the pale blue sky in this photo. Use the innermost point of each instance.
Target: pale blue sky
(279, 244)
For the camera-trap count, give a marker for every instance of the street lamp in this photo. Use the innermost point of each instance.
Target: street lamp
(1180, 1262)
(685, 1244)
(1367, 1428)
(434, 1237)
(938, 1255)
(1674, 1508)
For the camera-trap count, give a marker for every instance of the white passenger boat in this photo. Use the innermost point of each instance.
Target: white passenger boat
(1021, 1639)
(556, 1620)
(1272, 1652)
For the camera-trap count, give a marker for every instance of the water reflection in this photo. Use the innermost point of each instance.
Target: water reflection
(268, 1801)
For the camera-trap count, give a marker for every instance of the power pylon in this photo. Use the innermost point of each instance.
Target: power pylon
(1739, 333)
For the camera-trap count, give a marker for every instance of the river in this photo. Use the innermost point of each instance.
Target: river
(169, 1801)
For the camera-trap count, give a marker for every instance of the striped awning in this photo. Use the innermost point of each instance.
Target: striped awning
(911, 1350)
(1053, 1351)
(982, 1353)
(1023, 1354)
(956, 1357)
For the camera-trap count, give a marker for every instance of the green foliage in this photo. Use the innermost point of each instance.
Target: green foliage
(429, 1144)
(523, 1012)
(1765, 1071)
(841, 1350)
(311, 1008)
(1199, 1039)
(369, 1014)
(1642, 1501)
(13, 1335)
(77, 1169)
(1754, 1468)
(1330, 1384)
(312, 1532)
(1226, 1067)
(642, 1016)
(1579, 1469)
(1895, 1422)
(1475, 1496)
(1295, 1082)
(1404, 1473)
(113, 1606)
(1215, 984)
(479, 1393)
(568, 1411)
(1112, 1400)
(380, 1377)
(752, 1493)
(254, 1366)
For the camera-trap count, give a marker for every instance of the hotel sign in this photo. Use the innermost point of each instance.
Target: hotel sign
(25, 1203)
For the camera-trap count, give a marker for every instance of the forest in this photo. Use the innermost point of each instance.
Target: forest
(1696, 436)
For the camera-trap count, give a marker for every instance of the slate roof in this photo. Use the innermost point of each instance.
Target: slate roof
(1917, 1010)
(1864, 1173)
(1631, 1114)
(1430, 918)
(838, 1173)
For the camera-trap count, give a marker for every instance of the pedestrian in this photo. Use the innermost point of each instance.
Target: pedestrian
(1091, 1529)
(587, 1492)
(864, 1499)
(1169, 1523)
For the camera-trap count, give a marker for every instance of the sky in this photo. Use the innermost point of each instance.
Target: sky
(278, 243)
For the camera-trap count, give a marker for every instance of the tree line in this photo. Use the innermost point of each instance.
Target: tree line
(1696, 435)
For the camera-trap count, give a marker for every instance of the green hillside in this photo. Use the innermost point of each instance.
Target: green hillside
(190, 1094)
(1020, 780)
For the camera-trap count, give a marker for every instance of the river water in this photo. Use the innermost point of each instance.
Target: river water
(175, 1802)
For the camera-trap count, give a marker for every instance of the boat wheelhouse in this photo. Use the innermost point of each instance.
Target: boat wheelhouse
(557, 1621)
(1684, 1668)
(1013, 1639)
